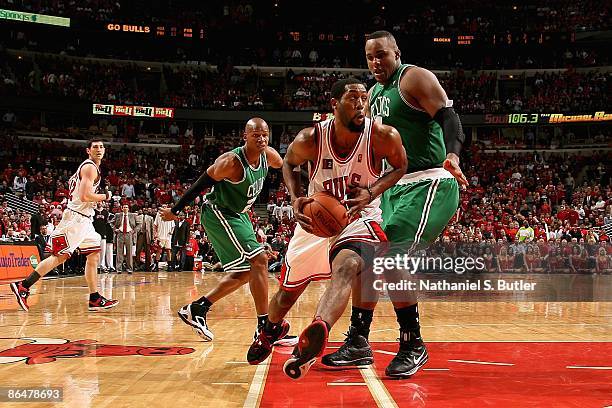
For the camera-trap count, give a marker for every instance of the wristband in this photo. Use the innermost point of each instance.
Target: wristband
(370, 192)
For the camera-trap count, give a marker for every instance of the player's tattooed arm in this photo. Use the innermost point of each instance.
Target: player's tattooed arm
(386, 144)
(302, 149)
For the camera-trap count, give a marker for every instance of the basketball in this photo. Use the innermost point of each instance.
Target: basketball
(328, 215)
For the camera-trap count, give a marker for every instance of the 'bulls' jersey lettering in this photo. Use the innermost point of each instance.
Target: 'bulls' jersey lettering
(337, 175)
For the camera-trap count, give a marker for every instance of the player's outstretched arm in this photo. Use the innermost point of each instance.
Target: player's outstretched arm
(274, 158)
(88, 175)
(225, 167)
(302, 149)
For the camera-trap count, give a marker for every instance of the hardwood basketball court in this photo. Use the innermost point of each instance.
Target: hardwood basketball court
(140, 354)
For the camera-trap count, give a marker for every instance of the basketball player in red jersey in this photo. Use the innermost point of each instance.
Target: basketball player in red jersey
(75, 231)
(345, 155)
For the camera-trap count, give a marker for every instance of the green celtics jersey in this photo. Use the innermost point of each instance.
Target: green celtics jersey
(240, 195)
(422, 137)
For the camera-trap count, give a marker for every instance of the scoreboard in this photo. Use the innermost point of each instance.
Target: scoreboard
(157, 30)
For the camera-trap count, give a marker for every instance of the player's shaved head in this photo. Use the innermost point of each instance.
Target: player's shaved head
(382, 34)
(256, 124)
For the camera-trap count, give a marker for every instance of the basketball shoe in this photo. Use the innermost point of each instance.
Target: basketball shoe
(263, 342)
(22, 294)
(102, 303)
(288, 340)
(310, 346)
(355, 351)
(411, 356)
(194, 314)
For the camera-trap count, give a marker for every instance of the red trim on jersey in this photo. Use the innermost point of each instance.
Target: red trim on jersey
(371, 153)
(331, 147)
(88, 161)
(301, 282)
(87, 251)
(378, 231)
(318, 132)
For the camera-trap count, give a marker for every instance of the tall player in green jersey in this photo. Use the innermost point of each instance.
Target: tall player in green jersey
(236, 178)
(417, 209)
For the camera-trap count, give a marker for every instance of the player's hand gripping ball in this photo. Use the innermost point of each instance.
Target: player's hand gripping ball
(328, 215)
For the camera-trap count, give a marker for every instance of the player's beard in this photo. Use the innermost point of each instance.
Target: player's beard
(353, 127)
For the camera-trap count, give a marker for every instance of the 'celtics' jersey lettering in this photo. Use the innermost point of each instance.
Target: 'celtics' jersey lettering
(239, 196)
(422, 137)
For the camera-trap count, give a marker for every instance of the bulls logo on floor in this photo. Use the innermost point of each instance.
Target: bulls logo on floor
(47, 350)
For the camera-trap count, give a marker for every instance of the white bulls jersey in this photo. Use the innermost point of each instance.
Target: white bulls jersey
(308, 256)
(75, 203)
(336, 175)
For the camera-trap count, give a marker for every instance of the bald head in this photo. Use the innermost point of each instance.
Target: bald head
(256, 134)
(256, 124)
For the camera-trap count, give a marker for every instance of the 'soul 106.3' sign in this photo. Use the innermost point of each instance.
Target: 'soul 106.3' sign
(545, 118)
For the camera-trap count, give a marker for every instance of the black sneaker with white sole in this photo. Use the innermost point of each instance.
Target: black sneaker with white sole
(194, 314)
(412, 355)
(355, 351)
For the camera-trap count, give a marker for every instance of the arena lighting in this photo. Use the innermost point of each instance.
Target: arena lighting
(34, 18)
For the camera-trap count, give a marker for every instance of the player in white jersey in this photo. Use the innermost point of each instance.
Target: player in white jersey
(75, 232)
(345, 155)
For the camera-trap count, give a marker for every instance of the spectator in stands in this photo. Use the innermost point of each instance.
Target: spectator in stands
(162, 232)
(144, 223)
(41, 239)
(100, 222)
(191, 249)
(180, 238)
(19, 184)
(125, 229)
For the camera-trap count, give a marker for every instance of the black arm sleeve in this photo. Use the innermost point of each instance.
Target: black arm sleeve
(453, 131)
(203, 182)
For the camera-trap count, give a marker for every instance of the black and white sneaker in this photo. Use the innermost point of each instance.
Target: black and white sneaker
(355, 351)
(412, 355)
(288, 340)
(194, 314)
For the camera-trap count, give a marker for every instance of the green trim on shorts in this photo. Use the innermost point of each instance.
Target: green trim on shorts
(232, 237)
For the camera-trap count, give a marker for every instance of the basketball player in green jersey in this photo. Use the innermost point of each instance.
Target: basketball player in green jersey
(417, 209)
(236, 178)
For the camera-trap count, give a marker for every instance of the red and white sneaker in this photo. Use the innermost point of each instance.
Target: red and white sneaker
(310, 346)
(22, 294)
(102, 303)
